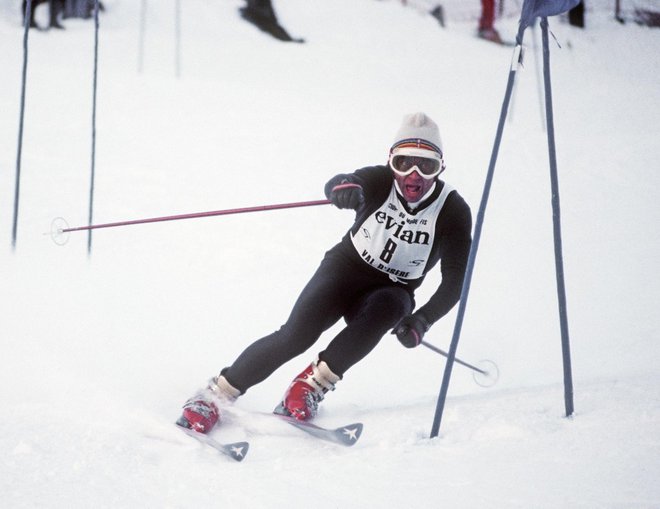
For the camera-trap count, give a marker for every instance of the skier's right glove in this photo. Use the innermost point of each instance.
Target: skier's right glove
(411, 329)
(347, 195)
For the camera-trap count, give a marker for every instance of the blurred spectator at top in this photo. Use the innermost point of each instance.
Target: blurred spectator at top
(487, 22)
(55, 7)
(576, 15)
(67, 8)
(262, 15)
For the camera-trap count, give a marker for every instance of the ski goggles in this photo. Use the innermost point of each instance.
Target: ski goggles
(414, 154)
(427, 167)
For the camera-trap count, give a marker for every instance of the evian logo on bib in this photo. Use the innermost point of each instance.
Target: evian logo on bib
(396, 242)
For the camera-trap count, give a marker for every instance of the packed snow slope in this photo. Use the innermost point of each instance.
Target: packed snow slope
(97, 353)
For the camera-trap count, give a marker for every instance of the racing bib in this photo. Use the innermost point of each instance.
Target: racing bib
(396, 242)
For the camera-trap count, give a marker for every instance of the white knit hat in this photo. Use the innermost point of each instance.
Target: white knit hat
(418, 136)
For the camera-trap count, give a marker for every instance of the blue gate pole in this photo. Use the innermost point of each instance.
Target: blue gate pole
(141, 36)
(177, 38)
(515, 62)
(556, 218)
(19, 151)
(95, 82)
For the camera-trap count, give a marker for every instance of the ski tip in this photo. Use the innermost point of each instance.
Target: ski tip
(238, 450)
(280, 410)
(350, 434)
(182, 422)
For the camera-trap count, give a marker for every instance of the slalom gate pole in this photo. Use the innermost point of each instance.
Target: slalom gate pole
(556, 220)
(17, 186)
(451, 356)
(141, 37)
(226, 212)
(539, 75)
(177, 38)
(92, 177)
(456, 360)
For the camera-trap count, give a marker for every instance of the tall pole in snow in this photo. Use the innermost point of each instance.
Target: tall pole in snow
(531, 10)
(141, 35)
(177, 38)
(94, 87)
(515, 63)
(556, 219)
(27, 16)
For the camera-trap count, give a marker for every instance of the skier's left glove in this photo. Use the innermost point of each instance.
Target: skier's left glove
(411, 329)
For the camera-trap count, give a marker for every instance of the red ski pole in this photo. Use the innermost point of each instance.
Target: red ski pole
(226, 212)
(60, 227)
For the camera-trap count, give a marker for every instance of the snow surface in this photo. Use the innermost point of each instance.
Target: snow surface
(98, 353)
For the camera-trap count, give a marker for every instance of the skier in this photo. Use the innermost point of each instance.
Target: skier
(262, 15)
(487, 29)
(407, 220)
(55, 6)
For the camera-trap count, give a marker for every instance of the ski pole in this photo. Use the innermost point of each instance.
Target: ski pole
(259, 208)
(62, 227)
(456, 359)
(59, 226)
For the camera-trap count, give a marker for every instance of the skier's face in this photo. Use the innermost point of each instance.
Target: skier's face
(413, 186)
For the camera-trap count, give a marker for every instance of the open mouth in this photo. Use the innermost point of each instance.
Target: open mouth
(413, 188)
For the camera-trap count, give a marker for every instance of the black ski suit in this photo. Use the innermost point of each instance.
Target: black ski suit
(349, 285)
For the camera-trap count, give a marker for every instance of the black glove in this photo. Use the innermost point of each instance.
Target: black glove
(411, 329)
(347, 195)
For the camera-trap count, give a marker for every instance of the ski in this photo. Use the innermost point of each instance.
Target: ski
(236, 451)
(345, 435)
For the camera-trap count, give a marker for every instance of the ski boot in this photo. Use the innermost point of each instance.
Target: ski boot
(490, 34)
(302, 398)
(202, 412)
